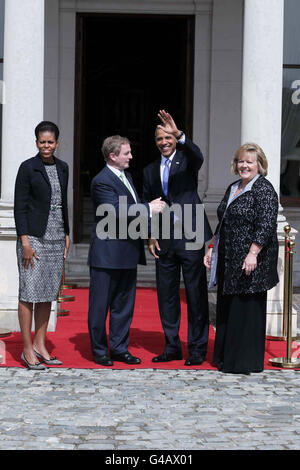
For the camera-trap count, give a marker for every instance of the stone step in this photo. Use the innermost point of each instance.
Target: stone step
(79, 266)
(84, 281)
(77, 270)
(79, 250)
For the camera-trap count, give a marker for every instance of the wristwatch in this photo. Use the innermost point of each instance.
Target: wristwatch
(180, 135)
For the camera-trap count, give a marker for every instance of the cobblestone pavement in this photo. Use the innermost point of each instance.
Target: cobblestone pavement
(93, 409)
(118, 410)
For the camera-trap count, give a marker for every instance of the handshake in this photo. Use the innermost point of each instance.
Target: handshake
(157, 205)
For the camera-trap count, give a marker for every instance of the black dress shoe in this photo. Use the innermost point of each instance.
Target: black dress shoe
(166, 357)
(104, 360)
(218, 365)
(240, 372)
(194, 361)
(126, 357)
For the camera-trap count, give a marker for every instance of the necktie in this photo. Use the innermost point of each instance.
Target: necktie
(127, 184)
(166, 173)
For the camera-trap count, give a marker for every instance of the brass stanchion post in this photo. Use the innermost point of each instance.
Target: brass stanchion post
(63, 298)
(287, 229)
(288, 361)
(66, 286)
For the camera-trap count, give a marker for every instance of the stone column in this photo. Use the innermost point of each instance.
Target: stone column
(23, 76)
(262, 79)
(261, 112)
(224, 99)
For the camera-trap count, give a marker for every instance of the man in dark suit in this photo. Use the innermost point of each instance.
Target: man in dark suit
(113, 257)
(174, 177)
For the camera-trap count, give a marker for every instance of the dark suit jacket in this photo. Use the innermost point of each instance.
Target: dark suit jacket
(113, 252)
(183, 184)
(33, 196)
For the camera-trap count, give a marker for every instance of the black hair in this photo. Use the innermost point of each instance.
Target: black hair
(46, 126)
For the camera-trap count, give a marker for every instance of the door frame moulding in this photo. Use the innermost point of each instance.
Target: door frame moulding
(187, 7)
(79, 100)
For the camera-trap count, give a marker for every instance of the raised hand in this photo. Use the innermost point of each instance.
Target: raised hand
(168, 125)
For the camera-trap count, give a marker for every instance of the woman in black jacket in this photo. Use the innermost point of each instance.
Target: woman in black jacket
(41, 217)
(243, 262)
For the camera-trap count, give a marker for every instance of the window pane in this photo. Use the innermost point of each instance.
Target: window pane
(1, 27)
(290, 142)
(291, 43)
(290, 76)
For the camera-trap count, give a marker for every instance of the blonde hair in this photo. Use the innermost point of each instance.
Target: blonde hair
(253, 149)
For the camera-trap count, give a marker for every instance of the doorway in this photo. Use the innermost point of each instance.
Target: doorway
(128, 67)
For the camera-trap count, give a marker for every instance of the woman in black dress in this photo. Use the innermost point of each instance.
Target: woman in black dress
(41, 217)
(243, 262)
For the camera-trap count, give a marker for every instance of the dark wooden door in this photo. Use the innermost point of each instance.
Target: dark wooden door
(126, 71)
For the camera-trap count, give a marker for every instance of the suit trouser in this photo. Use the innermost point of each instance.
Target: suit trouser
(168, 269)
(113, 290)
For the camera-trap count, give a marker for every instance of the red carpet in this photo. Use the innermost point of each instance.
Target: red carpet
(70, 342)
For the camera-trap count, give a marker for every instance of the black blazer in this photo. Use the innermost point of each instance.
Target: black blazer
(252, 217)
(182, 186)
(33, 196)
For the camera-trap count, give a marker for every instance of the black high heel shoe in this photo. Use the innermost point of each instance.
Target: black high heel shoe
(53, 361)
(36, 366)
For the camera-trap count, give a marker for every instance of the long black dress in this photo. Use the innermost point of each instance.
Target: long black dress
(240, 328)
